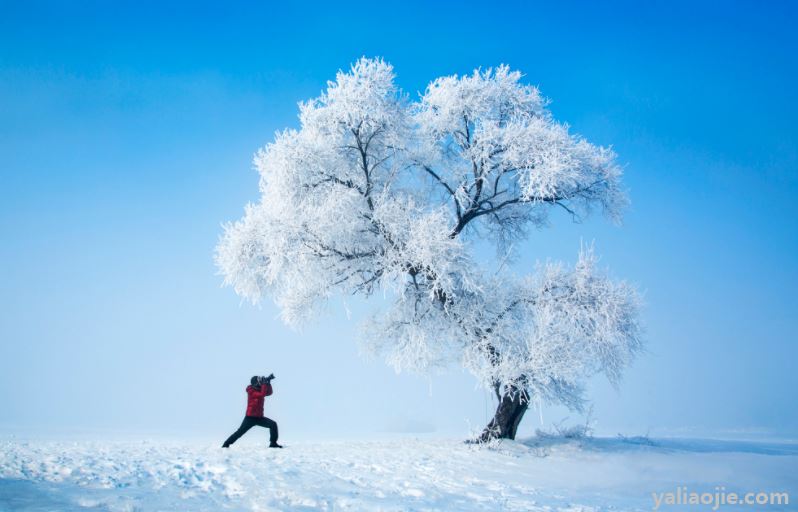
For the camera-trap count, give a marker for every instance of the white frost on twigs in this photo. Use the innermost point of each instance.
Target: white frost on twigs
(375, 192)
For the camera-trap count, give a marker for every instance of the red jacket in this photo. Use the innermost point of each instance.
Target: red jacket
(255, 397)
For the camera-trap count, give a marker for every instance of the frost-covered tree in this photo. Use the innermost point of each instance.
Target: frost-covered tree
(377, 192)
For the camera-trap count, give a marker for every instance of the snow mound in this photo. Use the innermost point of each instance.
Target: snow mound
(538, 474)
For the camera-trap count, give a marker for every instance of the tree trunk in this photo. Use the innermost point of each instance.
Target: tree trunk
(508, 415)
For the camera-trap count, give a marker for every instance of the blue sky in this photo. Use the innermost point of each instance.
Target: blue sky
(126, 137)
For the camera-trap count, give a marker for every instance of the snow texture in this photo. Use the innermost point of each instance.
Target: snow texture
(538, 474)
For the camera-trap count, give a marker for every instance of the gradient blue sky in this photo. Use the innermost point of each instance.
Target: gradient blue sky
(126, 136)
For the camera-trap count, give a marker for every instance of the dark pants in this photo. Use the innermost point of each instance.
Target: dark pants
(251, 421)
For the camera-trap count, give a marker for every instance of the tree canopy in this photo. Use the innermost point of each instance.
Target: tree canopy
(376, 191)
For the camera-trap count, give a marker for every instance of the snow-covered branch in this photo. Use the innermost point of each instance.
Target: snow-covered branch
(373, 191)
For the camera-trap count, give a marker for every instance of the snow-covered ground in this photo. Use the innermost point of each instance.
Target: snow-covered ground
(405, 474)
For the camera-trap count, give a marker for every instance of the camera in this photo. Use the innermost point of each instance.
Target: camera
(266, 380)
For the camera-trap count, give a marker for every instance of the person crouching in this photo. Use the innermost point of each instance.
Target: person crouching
(257, 391)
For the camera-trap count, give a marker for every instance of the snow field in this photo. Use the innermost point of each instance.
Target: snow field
(412, 474)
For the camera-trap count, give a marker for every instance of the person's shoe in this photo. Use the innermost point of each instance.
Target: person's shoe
(275, 445)
(225, 445)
